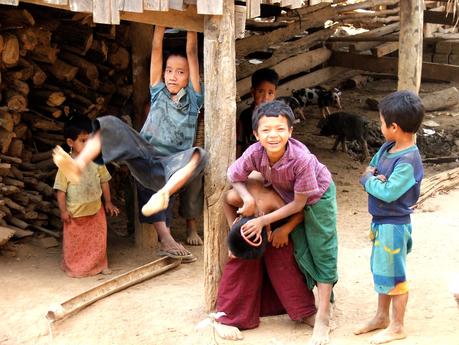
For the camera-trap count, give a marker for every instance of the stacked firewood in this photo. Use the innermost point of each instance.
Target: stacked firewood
(291, 43)
(53, 64)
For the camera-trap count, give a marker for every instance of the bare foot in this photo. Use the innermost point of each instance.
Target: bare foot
(388, 335)
(193, 238)
(372, 325)
(67, 164)
(320, 333)
(228, 332)
(157, 203)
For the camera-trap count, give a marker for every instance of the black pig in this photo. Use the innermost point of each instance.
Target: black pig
(346, 126)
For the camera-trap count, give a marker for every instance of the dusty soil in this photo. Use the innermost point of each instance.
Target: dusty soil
(166, 309)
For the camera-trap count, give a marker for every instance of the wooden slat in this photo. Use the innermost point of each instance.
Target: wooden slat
(9, 2)
(102, 11)
(115, 11)
(253, 8)
(152, 5)
(186, 20)
(384, 49)
(177, 5)
(211, 7)
(430, 71)
(81, 5)
(57, 2)
(131, 5)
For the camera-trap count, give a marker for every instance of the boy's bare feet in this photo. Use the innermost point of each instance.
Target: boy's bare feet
(320, 333)
(388, 335)
(157, 203)
(67, 164)
(372, 325)
(228, 332)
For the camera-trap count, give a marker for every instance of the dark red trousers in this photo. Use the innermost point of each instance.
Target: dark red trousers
(272, 285)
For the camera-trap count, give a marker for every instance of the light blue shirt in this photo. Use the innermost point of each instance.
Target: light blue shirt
(171, 126)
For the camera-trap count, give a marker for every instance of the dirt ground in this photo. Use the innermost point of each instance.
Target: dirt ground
(166, 309)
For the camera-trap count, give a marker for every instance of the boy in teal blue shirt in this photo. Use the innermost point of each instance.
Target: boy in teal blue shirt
(393, 181)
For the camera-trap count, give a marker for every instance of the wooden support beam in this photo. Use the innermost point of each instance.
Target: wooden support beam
(220, 139)
(365, 4)
(430, 71)
(410, 45)
(187, 20)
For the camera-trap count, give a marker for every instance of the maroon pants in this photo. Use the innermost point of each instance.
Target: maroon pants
(272, 285)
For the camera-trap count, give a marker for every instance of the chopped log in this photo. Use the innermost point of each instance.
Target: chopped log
(16, 173)
(367, 14)
(10, 53)
(15, 100)
(44, 189)
(16, 148)
(63, 71)
(98, 51)
(39, 121)
(9, 159)
(88, 69)
(15, 17)
(8, 190)
(41, 156)
(5, 169)
(259, 42)
(51, 139)
(118, 57)
(291, 66)
(23, 73)
(13, 205)
(13, 182)
(38, 77)
(443, 99)
(385, 30)
(5, 140)
(284, 51)
(51, 98)
(5, 210)
(46, 231)
(28, 38)
(21, 130)
(384, 49)
(19, 86)
(6, 120)
(365, 4)
(44, 53)
(439, 183)
(5, 235)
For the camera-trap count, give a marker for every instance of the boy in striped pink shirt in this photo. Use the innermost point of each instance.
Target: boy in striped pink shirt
(291, 171)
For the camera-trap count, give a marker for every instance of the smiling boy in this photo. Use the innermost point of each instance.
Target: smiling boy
(305, 185)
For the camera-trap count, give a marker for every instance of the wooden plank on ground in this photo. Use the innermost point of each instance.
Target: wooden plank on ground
(210, 7)
(384, 49)
(431, 71)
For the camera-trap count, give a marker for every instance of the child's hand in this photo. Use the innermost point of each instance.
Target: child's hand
(253, 227)
(249, 208)
(66, 217)
(111, 209)
(279, 238)
(370, 170)
(381, 178)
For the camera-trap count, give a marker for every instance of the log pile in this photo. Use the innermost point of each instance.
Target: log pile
(292, 44)
(52, 64)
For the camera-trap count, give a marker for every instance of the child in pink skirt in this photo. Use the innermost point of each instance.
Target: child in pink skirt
(80, 205)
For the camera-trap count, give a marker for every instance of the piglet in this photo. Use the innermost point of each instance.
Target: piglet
(346, 126)
(295, 105)
(319, 96)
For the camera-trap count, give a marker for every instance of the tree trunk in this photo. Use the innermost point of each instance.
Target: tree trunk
(220, 139)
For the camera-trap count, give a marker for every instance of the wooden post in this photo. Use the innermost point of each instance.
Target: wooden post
(220, 139)
(141, 36)
(410, 45)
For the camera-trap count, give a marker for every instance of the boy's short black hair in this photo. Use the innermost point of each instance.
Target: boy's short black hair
(272, 109)
(265, 74)
(240, 247)
(404, 108)
(177, 51)
(76, 125)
